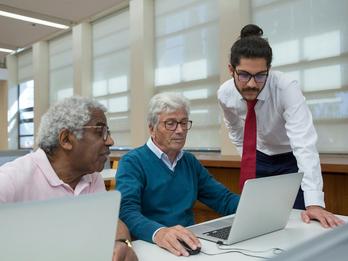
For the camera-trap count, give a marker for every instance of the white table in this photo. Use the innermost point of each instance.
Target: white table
(108, 174)
(296, 232)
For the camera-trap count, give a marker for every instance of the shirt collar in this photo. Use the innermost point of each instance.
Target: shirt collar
(41, 160)
(159, 153)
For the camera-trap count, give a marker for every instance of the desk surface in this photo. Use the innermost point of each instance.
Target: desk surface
(108, 174)
(296, 232)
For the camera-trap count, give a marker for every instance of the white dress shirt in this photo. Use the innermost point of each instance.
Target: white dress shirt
(284, 124)
(162, 156)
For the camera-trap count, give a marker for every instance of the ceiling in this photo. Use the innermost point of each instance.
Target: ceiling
(19, 34)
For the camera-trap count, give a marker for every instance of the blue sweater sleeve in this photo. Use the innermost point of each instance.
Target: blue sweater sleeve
(213, 193)
(130, 182)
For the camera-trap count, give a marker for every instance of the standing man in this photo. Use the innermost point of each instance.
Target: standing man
(74, 141)
(160, 182)
(270, 124)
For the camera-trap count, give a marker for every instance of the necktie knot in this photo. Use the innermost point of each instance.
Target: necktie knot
(251, 104)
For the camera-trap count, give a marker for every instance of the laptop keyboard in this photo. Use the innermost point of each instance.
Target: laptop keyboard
(221, 233)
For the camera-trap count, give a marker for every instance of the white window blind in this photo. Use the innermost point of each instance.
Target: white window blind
(310, 42)
(187, 62)
(25, 66)
(61, 79)
(111, 72)
(26, 114)
(25, 99)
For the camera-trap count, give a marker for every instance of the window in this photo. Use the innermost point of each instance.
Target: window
(25, 98)
(26, 114)
(60, 68)
(310, 42)
(187, 62)
(111, 72)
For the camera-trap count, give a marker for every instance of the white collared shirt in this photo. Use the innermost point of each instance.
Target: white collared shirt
(284, 124)
(32, 177)
(164, 157)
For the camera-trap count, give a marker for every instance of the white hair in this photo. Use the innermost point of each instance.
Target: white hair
(166, 102)
(71, 114)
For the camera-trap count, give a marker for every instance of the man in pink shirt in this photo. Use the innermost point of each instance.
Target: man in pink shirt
(73, 141)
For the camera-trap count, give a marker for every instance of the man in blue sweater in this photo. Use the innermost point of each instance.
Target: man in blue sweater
(160, 182)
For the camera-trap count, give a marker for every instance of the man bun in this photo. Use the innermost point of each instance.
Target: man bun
(251, 45)
(251, 30)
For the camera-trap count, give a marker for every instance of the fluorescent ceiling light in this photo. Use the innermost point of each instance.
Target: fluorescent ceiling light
(4, 50)
(32, 20)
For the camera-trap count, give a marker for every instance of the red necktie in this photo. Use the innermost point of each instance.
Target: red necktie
(248, 163)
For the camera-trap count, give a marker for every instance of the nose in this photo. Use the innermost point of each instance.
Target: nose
(109, 141)
(252, 82)
(179, 129)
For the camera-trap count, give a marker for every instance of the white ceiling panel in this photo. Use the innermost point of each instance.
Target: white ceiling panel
(18, 34)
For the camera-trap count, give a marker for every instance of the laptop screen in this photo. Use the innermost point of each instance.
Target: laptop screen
(69, 228)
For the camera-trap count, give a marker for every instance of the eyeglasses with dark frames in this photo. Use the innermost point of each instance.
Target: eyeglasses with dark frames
(105, 132)
(171, 125)
(245, 77)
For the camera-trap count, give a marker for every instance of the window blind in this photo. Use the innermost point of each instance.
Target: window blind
(186, 39)
(310, 42)
(25, 100)
(111, 72)
(61, 79)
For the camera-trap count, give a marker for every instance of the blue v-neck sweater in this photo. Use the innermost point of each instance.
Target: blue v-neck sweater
(153, 196)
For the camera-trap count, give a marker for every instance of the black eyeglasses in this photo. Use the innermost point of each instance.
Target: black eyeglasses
(105, 132)
(173, 124)
(260, 77)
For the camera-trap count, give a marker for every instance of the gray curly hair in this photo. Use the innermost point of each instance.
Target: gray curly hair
(166, 102)
(71, 114)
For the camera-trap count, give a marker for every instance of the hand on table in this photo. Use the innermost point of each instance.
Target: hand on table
(168, 237)
(326, 218)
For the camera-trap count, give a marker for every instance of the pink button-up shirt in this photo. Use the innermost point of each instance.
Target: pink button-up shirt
(32, 177)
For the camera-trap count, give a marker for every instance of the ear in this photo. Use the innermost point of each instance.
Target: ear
(152, 131)
(65, 138)
(230, 69)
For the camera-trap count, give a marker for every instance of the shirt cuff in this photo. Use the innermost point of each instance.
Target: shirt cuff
(314, 198)
(154, 234)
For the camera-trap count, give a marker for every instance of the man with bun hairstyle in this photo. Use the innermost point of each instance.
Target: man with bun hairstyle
(270, 123)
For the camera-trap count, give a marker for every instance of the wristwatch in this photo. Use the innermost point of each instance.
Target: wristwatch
(126, 241)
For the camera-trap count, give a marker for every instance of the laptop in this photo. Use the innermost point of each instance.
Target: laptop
(264, 207)
(69, 228)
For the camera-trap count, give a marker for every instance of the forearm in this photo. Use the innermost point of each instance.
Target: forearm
(140, 226)
(122, 231)
(123, 249)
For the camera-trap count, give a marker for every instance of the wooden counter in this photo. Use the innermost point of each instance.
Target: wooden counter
(329, 162)
(226, 170)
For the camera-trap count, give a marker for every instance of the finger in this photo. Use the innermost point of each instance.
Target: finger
(175, 251)
(175, 244)
(191, 240)
(340, 221)
(305, 217)
(171, 243)
(323, 221)
(331, 220)
(188, 237)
